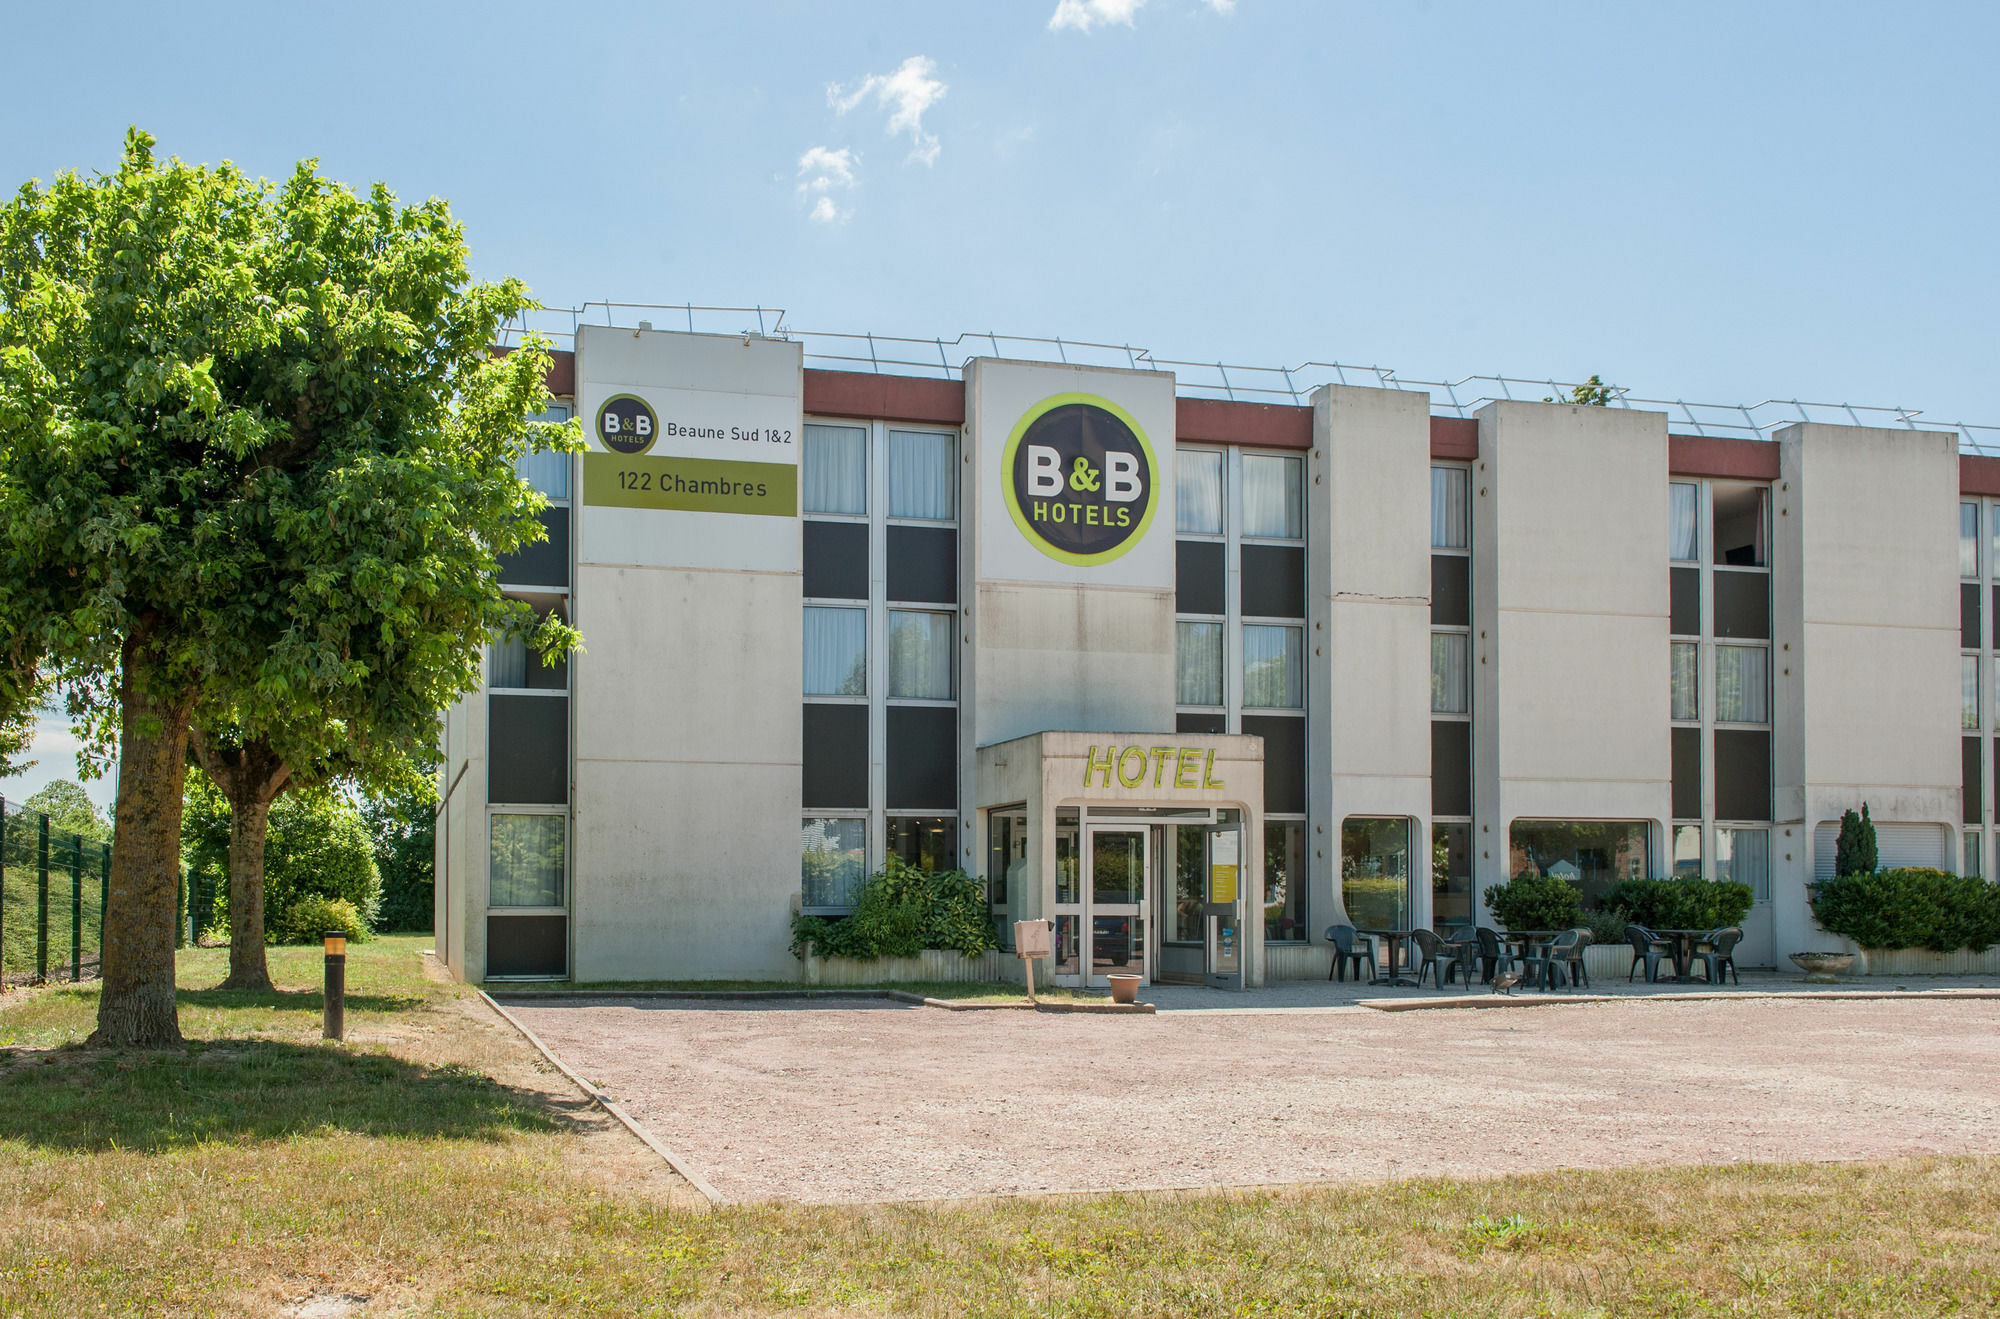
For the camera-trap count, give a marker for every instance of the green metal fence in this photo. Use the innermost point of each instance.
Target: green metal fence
(52, 887)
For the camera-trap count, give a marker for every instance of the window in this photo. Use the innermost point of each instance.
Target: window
(1740, 525)
(1006, 870)
(833, 860)
(1285, 881)
(1451, 877)
(1744, 855)
(1198, 492)
(833, 470)
(1968, 692)
(1198, 663)
(1451, 521)
(1687, 849)
(1682, 535)
(545, 471)
(1592, 854)
(1375, 872)
(1274, 667)
(1742, 684)
(836, 651)
(1451, 679)
(525, 861)
(1973, 849)
(920, 651)
(928, 842)
(1968, 540)
(1687, 685)
(1271, 488)
(923, 475)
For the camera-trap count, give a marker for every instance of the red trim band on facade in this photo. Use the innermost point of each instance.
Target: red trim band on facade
(891, 398)
(1978, 476)
(562, 373)
(1722, 456)
(1455, 437)
(1264, 425)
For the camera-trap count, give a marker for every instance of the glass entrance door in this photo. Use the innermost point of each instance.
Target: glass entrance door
(1120, 864)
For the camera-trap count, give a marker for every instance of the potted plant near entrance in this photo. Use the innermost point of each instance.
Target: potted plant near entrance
(1124, 987)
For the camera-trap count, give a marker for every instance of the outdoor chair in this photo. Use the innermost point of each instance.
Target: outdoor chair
(1345, 952)
(1717, 953)
(1560, 954)
(1648, 948)
(1494, 956)
(1443, 960)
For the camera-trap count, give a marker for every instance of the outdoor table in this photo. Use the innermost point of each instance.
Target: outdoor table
(1392, 941)
(1683, 954)
(1528, 941)
(1466, 951)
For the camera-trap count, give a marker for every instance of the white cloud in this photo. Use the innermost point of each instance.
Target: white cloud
(1084, 15)
(822, 172)
(1222, 6)
(906, 94)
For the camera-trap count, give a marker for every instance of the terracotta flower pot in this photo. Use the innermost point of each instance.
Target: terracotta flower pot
(1124, 988)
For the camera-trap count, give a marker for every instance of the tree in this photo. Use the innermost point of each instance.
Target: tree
(402, 827)
(317, 848)
(1592, 393)
(70, 810)
(257, 451)
(1854, 850)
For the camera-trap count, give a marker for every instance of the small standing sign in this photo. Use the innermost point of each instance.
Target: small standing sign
(1031, 940)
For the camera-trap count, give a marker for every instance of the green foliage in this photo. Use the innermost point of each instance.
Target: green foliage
(1913, 908)
(899, 911)
(1685, 902)
(402, 826)
(317, 847)
(1854, 851)
(1592, 393)
(313, 916)
(70, 810)
(1534, 901)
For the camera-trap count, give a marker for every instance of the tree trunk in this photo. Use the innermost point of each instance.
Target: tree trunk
(248, 822)
(137, 1006)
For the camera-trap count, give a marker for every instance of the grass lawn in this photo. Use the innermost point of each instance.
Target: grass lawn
(430, 1166)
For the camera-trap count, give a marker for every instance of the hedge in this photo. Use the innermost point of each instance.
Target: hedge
(900, 911)
(1685, 902)
(1914, 908)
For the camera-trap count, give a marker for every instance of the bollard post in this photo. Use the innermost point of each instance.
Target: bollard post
(334, 1014)
(42, 906)
(76, 910)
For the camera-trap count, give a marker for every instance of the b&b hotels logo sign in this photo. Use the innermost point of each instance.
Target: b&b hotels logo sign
(1080, 478)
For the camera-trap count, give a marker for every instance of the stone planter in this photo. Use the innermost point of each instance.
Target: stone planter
(1823, 968)
(1124, 988)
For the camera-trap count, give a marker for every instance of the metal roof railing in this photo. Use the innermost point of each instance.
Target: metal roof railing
(941, 358)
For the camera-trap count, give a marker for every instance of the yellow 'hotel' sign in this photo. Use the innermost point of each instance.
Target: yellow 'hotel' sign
(1191, 767)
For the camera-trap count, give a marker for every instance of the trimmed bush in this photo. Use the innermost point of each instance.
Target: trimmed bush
(900, 911)
(1854, 851)
(311, 916)
(1534, 901)
(1685, 902)
(1910, 909)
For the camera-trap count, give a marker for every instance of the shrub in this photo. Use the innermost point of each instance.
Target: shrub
(316, 845)
(1854, 851)
(1910, 909)
(311, 916)
(1685, 902)
(1534, 901)
(899, 911)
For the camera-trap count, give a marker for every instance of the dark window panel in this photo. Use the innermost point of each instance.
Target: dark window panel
(1451, 590)
(1686, 594)
(1198, 577)
(1969, 767)
(1996, 778)
(1743, 605)
(1200, 723)
(836, 560)
(923, 758)
(1451, 767)
(1284, 761)
(546, 562)
(1274, 581)
(1742, 774)
(836, 757)
(923, 565)
(1687, 774)
(1968, 615)
(527, 945)
(527, 747)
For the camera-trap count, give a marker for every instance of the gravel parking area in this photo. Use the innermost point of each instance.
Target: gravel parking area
(869, 1100)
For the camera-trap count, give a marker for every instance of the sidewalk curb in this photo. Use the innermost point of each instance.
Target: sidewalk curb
(894, 995)
(1707, 996)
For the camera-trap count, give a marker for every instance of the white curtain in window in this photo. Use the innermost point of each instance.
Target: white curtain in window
(1451, 508)
(1968, 692)
(546, 472)
(836, 658)
(923, 477)
(1968, 540)
(1198, 492)
(833, 470)
(525, 863)
(1198, 664)
(833, 860)
(1744, 855)
(1274, 667)
(1451, 679)
(1687, 685)
(1681, 538)
(1742, 684)
(920, 655)
(507, 662)
(1271, 496)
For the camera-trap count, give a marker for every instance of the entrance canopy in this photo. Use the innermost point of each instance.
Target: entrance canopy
(1143, 850)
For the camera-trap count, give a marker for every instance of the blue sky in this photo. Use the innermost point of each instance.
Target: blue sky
(1723, 202)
